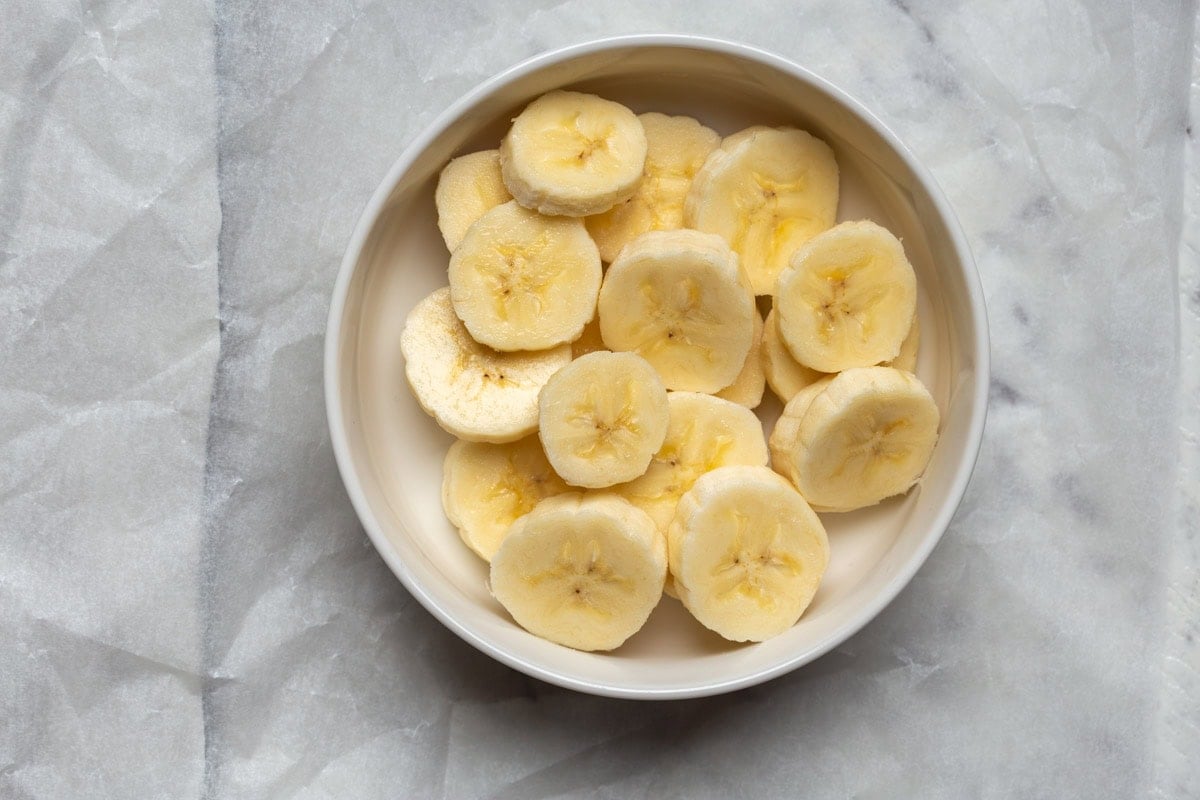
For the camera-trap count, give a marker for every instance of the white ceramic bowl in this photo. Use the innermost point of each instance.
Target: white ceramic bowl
(390, 453)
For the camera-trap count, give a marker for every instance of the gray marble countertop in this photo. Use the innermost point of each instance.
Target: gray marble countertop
(189, 608)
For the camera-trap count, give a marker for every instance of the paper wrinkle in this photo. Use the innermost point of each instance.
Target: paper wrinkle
(190, 607)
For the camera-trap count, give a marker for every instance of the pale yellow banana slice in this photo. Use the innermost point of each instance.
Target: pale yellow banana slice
(522, 281)
(847, 299)
(766, 191)
(785, 375)
(573, 154)
(582, 571)
(704, 432)
(747, 553)
(747, 388)
(678, 299)
(602, 418)
(474, 392)
(589, 341)
(676, 148)
(486, 487)
(468, 188)
(857, 438)
(907, 358)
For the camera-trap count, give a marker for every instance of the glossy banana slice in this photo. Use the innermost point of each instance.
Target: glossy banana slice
(848, 298)
(468, 188)
(474, 392)
(601, 418)
(522, 281)
(857, 438)
(747, 553)
(584, 571)
(704, 432)
(766, 191)
(678, 299)
(486, 487)
(676, 150)
(573, 154)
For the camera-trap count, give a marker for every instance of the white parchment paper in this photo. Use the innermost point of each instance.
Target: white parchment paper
(188, 606)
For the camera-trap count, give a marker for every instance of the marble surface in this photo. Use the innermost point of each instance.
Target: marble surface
(189, 608)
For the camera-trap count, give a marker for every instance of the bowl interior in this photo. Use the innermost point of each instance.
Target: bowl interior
(394, 451)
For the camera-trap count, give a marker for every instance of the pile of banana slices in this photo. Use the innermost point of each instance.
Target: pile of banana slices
(607, 448)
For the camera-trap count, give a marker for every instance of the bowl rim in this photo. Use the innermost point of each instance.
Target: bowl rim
(333, 367)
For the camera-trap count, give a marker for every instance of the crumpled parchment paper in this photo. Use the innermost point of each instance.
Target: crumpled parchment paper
(188, 606)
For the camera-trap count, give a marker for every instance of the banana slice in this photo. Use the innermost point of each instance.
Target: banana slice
(584, 571)
(675, 150)
(474, 392)
(747, 553)
(573, 154)
(907, 358)
(856, 438)
(521, 281)
(486, 487)
(747, 388)
(766, 191)
(602, 418)
(468, 188)
(785, 375)
(703, 433)
(590, 341)
(847, 299)
(678, 299)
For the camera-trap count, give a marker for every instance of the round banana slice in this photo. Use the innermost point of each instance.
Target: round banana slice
(747, 388)
(573, 154)
(847, 299)
(747, 553)
(468, 188)
(486, 487)
(766, 191)
(704, 432)
(678, 299)
(521, 281)
(676, 148)
(785, 375)
(584, 571)
(474, 392)
(602, 418)
(856, 438)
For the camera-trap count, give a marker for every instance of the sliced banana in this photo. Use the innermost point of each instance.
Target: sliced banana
(785, 375)
(747, 388)
(582, 571)
(602, 418)
(747, 553)
(766, 191)
(486, 487)
(522, 281)
(573, 154)
(704, 432)
(907, 358)
(589, 341)
(847, 299)
(856, 438)
(474, 392)
(678, 299)
(468, 188)
(676, 148)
